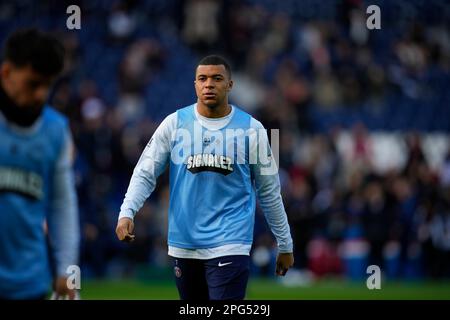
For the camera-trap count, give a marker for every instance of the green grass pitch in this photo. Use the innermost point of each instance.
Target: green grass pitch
(267, 289)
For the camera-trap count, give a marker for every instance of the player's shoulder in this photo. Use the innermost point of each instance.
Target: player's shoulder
(55, 126)
(186, 108)
(170, 121)
(186, 111)
(184, 115)
(53, 117)
(254, 123)
(167, 125)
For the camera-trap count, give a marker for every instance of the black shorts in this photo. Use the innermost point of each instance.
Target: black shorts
(223, 278)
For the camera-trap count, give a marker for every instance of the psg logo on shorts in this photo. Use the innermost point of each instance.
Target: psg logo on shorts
(177, 272)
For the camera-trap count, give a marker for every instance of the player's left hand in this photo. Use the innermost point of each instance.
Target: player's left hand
(124, 229)
(284, 262)
(62, 291)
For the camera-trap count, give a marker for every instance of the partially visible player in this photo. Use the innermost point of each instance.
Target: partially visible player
(212, 193)
(36, 180)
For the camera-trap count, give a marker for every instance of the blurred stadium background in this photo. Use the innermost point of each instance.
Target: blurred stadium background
(364, 119)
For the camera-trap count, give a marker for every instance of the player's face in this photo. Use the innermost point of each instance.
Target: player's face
(24, 86)
(212, 85)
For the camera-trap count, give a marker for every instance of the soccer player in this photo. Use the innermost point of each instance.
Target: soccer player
(213, 183)
(38, 207)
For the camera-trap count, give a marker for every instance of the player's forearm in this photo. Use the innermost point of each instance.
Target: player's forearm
(142, 184)
(62, 220)
(268, 190)
(277, 221)
(63, 226)
(151, 164)
(143, 181)
(63, 223)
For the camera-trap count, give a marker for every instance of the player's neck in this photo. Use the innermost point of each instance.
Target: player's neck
(218, 112)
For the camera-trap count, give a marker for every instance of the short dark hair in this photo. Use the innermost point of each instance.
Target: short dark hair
(32, 47)
(215, 60)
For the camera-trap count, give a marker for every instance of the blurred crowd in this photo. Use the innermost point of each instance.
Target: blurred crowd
(311, 70)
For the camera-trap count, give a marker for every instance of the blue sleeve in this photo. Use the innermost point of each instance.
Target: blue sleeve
(267, 185)
(62, 220)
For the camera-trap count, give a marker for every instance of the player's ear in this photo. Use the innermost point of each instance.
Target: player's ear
(5, 69)
(230, 85)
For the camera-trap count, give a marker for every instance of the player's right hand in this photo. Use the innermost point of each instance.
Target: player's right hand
(61, 291)
(124, 230)
(284, 262)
